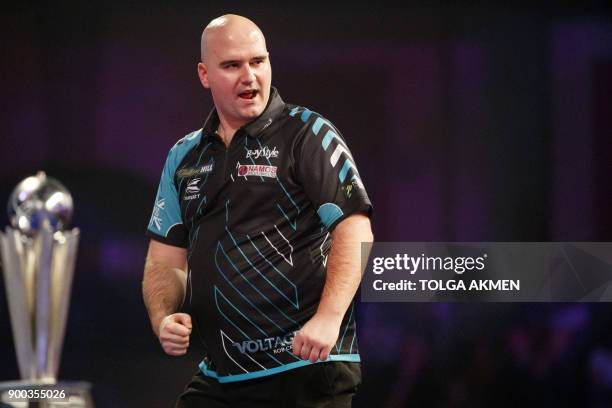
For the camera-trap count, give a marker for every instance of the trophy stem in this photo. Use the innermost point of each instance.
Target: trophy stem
(44, 250)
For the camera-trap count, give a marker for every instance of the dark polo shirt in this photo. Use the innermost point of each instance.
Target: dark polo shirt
(256, 218)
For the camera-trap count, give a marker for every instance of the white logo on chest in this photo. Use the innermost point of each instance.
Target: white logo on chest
(192, 190)
(263, 152)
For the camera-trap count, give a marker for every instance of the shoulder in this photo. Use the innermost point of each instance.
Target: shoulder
(312, 123)
(317, 131)
(183, 146)
(186, 143)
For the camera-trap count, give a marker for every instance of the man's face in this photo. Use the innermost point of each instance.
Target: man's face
(237, 70)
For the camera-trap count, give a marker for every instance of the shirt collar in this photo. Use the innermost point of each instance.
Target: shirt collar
(254, 128)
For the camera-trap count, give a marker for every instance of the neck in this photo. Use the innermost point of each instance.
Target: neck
(227, 130)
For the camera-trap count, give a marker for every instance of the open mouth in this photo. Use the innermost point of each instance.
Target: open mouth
(250, 94)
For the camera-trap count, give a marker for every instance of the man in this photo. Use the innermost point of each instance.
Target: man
(256, 231)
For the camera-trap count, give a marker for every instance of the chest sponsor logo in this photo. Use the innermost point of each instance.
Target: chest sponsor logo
(275, 344)
(192, 191)
(263, 152)
(245, 170)
(197, 171)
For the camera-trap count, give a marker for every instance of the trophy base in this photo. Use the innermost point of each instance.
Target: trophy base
(28, 394)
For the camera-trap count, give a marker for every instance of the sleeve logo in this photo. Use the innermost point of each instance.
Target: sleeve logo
(156, 219)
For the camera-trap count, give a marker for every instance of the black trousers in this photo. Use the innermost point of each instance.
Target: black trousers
(321, 385)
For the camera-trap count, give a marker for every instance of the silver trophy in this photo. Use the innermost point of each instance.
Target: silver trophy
(38, 259)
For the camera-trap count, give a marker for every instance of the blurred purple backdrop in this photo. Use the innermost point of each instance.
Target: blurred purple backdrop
(467, 124)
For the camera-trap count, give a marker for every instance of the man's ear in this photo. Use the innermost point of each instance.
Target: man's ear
(203, 74)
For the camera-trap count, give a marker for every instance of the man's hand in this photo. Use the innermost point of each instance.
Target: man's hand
(317, 337)
(174, 331)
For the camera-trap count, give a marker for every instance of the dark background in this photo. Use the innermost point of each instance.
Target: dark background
(467, 123)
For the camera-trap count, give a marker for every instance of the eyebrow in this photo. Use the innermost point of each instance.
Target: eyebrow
(229, 62)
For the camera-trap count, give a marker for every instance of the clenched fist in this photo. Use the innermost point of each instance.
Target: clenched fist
(174, 331)
(317, 337)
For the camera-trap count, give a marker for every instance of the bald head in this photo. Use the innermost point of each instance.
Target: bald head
(229, 27)
(236, 68)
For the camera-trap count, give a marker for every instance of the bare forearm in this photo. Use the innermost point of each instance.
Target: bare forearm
(163, 290)
(344, 265)
(317, 337)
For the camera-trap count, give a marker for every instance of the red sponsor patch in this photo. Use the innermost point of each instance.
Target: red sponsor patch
(256, 170)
